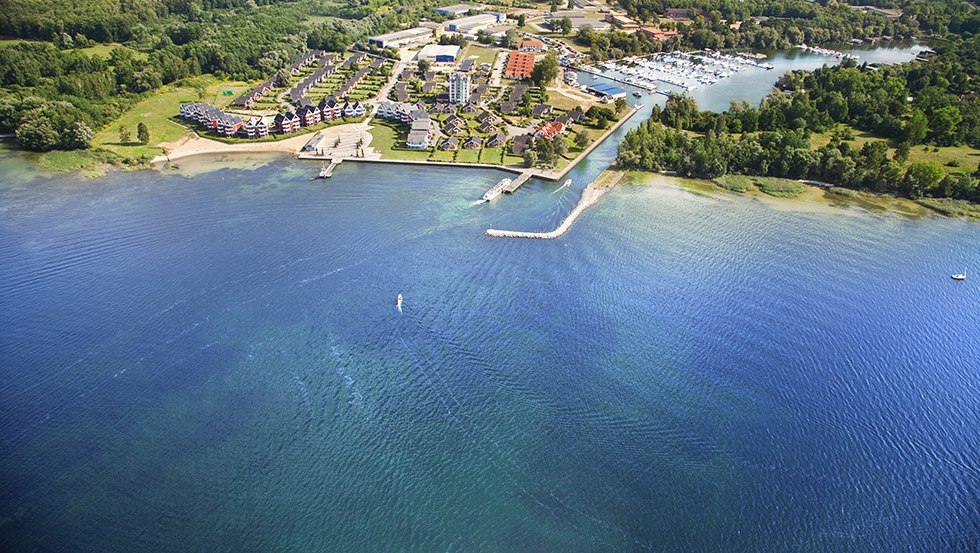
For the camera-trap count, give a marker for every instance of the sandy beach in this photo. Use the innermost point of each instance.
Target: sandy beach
(348, 134)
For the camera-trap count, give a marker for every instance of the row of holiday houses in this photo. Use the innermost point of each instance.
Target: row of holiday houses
(327, 67)
(422, 129)
(248, 99)
(231, 125)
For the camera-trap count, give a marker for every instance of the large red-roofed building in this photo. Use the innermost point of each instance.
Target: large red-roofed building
(519, 65)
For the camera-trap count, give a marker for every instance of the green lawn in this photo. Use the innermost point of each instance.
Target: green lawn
(491, 155)
(216, 96)
(155, 111)
(481, 53)
(440, 155)
(385, 138)
(468, 156)
(513, 160)
(564, 102)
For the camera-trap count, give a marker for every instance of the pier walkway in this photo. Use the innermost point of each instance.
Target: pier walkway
(606, 182)
(517, 182)
(328, 172)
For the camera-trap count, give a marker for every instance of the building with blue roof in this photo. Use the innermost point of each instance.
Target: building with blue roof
(603, 89)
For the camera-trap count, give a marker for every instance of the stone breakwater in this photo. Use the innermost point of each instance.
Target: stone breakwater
(606, 182)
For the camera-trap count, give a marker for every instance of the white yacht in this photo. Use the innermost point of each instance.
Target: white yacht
(497, 190)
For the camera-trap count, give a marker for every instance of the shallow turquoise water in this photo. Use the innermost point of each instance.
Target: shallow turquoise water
(215, 362)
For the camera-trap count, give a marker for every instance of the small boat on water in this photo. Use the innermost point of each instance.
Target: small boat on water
(497, 190)
(636, 94)
(960, 276)
(399, 302)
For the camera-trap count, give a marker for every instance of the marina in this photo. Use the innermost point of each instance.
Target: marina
(684, 70)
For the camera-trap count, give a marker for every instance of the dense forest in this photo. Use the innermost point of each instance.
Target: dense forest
(912, 104)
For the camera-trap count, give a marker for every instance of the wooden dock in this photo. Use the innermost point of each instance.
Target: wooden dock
(517, 182)
(641, 86)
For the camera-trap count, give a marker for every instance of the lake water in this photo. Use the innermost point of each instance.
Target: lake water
(214, 361)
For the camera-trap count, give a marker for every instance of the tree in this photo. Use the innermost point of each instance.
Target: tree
(944, 124)
(521, 20)
(921, 177)
(124, 134)
(424, 66)
(582, 139)
(560, 144)
(554, 6)
(79, 136)
(571, 4)
(530, 158)
(915, 128)
(546, 70)
(620, 105)
(902, 153)
(37, 133)
(142, 133)
(564, 26)
(509, 40)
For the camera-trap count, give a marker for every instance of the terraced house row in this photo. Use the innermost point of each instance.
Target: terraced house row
(231, 125)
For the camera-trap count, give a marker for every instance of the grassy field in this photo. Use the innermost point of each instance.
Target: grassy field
(513, 160)
(385, 137)
(468, 156)
(951, 207)
(965, 156)
(491, 155)
(780, 188)
(216, 92)
(482, 54)
(103, 51)
(735, 183)
(155, 112)
(440, 155)
(563, 102)
(90, 161)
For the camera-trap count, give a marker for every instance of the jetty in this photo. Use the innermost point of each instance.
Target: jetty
(327, 171)
(649, 87)
(606, 182)
(516, 183)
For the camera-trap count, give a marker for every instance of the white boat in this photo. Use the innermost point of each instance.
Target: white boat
(636, 94)
(398, 303)
(497, 190)
(567, 182)
(961, 276)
